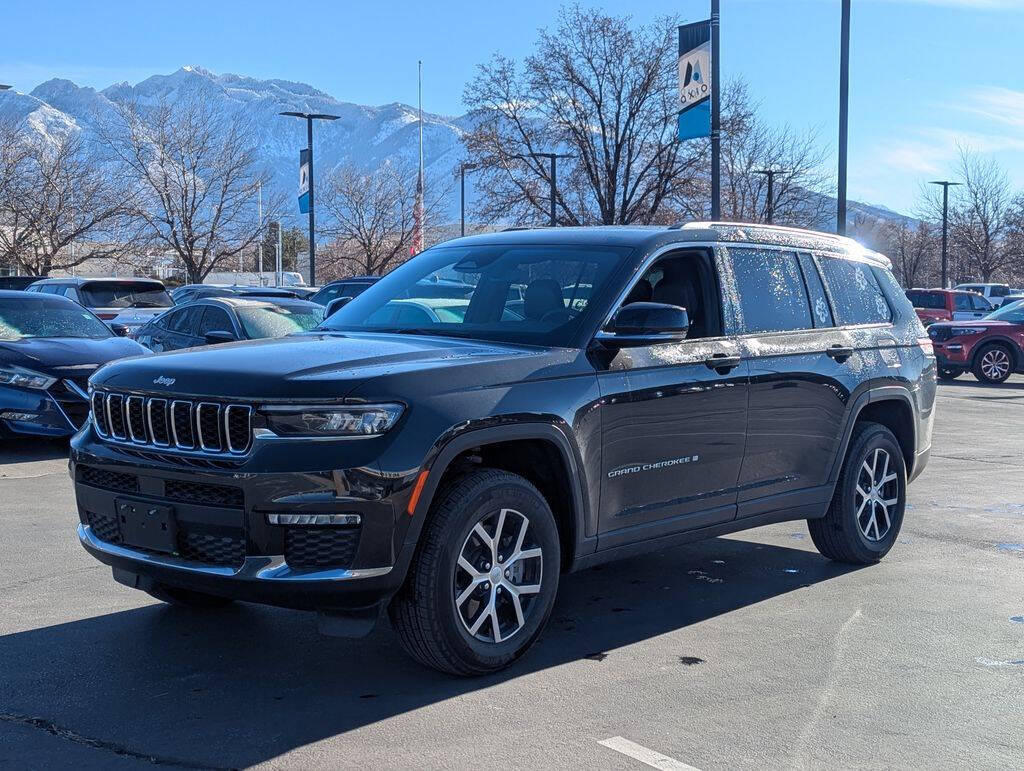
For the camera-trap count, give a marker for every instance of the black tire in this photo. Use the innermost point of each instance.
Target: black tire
(187, 598)
(424, 614)
(839, 535)
(950, 374)
(993, 363)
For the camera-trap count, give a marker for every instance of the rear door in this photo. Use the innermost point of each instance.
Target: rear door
(800, 372)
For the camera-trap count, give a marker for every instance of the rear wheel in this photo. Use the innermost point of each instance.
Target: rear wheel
(866, 513)
(483, 581)
(993, 364)
(186, 598)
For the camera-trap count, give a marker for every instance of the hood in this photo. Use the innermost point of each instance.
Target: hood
(67, 357)
(974, 323)
(322, 366)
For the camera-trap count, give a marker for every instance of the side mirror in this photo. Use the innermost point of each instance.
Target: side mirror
(220, 336)
(336, 305)
(120, 330)
(641, 324)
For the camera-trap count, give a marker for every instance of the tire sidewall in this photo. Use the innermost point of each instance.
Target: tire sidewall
(878, 437)
(510, 494)
(979, 373)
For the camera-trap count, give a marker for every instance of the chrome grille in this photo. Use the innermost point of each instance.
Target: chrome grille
(209, 427)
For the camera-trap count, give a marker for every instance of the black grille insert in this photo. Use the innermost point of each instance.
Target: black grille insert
(212, 548)
(115, 413)
(99, 414)
(103, 527)
(320, 547)
(108, 480)
(136, 409)
(181, 420)
(203, 493)
(208, 418)
(158, 422)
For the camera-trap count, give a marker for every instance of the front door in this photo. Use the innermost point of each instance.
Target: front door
(673, 424)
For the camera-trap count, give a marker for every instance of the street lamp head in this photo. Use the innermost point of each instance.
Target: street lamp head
(310, 115)
(468, 166)
(945, 183)
(3, 87)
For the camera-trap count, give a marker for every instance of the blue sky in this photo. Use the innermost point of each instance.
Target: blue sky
(925, 74)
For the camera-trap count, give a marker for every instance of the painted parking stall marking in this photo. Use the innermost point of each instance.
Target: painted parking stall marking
(646, 756)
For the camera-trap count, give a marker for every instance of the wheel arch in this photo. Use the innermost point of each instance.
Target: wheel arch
(516, 448)
(892, 407)
(1015, 352)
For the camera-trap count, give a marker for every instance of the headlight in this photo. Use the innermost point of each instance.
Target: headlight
(964, 331)
(343, 420)
(24, 378)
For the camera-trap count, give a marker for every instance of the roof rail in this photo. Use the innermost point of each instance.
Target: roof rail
(519, 227)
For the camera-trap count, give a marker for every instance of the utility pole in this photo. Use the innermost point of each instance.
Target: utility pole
(463, 168)
(844, 114)
(278, 257)
(716, 115)
(309, 118)
(553, 170)
(945, 228)
(770, 200)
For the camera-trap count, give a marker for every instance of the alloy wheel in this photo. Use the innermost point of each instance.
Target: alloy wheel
(876, 495)
(498, 576)
(995, 364)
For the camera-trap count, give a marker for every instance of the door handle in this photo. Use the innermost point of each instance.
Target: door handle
(722, 362)
(840, 352)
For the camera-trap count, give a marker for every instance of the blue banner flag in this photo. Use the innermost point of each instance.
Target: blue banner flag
(695, 80)
(304, 181)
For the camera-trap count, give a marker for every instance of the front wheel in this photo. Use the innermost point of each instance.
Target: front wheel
(993, 364)
(866, 513)
(484, 578)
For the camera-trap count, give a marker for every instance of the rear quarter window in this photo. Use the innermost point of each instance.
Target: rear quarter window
(770, 290)
(856, 296)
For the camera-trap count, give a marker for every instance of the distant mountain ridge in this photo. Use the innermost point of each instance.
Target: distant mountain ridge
(363, 136)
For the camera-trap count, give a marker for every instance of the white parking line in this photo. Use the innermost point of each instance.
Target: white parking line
(644, 755)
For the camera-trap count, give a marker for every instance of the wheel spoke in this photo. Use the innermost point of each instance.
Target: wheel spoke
(889, 502)
(495, 625)
(498, 530)
(519, 609)
(520, 589)
(466, 565)
(863, 503)
(468, 591)
(888, 522)
(482, 616)
(860, 491)
(487, 540)
(885, 468)
(888, 479)
(521, 537)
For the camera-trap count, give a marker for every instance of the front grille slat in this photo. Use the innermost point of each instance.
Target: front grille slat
(201, 427)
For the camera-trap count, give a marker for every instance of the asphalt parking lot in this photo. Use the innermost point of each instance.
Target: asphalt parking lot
(745, 651)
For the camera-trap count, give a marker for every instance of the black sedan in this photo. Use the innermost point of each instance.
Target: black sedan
(49, 346)
(224, 319)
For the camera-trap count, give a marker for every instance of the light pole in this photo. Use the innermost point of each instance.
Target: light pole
(770, 200)
(552, 158)
(945, 227)
(716, 113)
(309, 118)
(463, 168)
(844, 115)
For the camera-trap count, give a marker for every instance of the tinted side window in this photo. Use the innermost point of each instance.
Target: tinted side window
(770, 289)
(214, 320)
(856, 296)
(930, 300)
(962, 302)
(981, 304)
(1000, 291)
(185, 320)
(816, 290)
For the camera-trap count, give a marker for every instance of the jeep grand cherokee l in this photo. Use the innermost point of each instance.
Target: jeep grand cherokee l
(653, 387)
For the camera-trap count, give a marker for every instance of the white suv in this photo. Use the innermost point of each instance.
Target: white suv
(994, 293)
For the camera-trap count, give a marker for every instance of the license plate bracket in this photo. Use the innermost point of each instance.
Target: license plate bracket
(147, 525)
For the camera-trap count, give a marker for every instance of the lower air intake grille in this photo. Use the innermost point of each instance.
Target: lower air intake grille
(108, 480)
(105, 528)
(319, 547)
(226, 550)
(203, 493)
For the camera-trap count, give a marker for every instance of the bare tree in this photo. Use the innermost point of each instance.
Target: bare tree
(602, 92)
(912, 250)
(58, 203)
(370, 214)
(194, 178)
(979, 216)
(1014, 240)
(750, 145)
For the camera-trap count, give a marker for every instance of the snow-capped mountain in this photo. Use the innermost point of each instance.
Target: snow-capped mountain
(363, 136)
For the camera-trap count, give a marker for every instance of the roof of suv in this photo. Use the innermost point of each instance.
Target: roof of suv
(79, 280)
(653, 236)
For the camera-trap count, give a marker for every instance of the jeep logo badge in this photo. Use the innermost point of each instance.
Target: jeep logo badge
(164, 381)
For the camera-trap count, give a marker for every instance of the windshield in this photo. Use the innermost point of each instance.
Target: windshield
(1012, 313)
(125, 294)
(279, 320)
(539, 295)
(20, 319)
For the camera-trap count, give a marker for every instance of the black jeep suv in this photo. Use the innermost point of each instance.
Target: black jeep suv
(446, 459)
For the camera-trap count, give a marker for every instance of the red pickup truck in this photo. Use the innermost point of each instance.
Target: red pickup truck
(948, 305)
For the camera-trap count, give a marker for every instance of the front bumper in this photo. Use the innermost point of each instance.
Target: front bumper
(39, 413)
(224, 543)
(952, 356)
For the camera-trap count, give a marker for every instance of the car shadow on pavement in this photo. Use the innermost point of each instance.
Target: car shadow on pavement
(968, 382)
(246, 684)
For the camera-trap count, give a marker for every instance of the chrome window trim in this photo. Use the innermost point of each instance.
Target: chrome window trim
(149, 420)
(198, 413)
(128, 419)
(174, 428)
